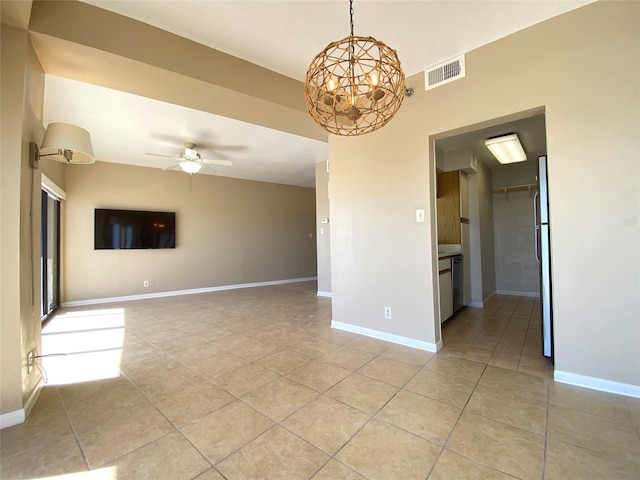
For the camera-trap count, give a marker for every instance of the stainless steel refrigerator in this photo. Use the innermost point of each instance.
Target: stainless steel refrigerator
(543, 256)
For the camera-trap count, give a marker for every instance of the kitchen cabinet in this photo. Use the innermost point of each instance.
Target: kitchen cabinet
(448, 207)
(452, 205)
(446, 289)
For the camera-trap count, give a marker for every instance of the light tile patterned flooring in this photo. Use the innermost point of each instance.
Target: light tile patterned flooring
(254, 383)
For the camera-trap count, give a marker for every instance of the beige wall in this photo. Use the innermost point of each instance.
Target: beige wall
(478, 236)
(485, 210)
(380, 256)
(22, 95)
(377, 182)
(229, 232)
(517, 270)
(323, 230)
(14, 51)
(465, 234)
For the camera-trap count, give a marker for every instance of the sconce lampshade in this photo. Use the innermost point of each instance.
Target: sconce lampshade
(67, 143)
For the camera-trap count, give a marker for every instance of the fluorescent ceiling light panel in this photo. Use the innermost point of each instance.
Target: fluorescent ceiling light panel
(506, 149)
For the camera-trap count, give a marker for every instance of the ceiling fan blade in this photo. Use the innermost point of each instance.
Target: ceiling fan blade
(172, 167)
(158, 155)
(226, 148)
(209, 161)
(208, 168)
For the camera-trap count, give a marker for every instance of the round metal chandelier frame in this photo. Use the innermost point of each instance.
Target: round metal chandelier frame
(355, 85)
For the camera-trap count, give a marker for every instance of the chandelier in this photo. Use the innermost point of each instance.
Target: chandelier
(355, 85)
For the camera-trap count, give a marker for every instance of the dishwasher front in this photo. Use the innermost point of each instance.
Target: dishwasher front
(457, 279)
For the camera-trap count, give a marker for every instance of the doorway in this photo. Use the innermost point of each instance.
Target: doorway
(500, 243)
(50, 255)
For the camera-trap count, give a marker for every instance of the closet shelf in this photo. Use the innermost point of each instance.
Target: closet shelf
(516, 188)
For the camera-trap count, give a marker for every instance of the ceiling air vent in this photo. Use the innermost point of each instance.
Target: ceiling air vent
(444, 72)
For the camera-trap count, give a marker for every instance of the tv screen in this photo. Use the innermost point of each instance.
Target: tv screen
(133, 229)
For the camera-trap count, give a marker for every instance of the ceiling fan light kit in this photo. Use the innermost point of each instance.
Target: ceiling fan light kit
(190, 166)
(355, 85)
(191, 161)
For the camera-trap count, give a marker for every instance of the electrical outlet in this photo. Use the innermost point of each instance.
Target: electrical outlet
(145, 284)
(30, 361)
(387, 313)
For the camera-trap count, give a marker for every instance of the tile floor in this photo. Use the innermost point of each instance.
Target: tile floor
(254, 383)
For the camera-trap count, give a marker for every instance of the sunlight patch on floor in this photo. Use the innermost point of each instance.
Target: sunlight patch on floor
(107, 473)
(83, 346)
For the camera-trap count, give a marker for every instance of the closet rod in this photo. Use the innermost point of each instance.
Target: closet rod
(515, 188)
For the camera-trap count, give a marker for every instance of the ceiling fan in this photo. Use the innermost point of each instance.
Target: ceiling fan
(190, 160)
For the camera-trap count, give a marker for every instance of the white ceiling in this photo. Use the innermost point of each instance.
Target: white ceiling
(285, 35)
(282, 36)
(125, 128)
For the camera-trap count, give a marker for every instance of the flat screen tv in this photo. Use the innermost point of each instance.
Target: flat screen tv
(133, 229)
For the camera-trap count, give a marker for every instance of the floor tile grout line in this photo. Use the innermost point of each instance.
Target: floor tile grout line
(478, 334)
(173, 425)
(73, 429)
(481, 463)
(442, 447)
(371, 418)
(320, 394)
(546, 435)
(241, 400)
(236, 399)
(465, 409)
(517, 302)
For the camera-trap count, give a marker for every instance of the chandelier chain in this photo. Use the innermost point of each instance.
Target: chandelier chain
(351, 48)
(351, 15)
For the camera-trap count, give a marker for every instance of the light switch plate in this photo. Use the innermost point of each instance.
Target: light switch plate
(420, 216)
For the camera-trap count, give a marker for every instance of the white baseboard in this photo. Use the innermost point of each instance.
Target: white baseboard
(482, 303)
(33, 398)
(597, 383)
(19, 416)
(10, 419)
(324, 294)
(389, 337)
(517, 294)
(95, 301)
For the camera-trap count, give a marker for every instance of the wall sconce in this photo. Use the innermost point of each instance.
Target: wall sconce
(64, 142)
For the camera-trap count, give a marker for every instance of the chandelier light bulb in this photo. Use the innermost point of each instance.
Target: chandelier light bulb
(374, 78)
